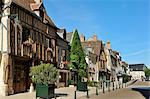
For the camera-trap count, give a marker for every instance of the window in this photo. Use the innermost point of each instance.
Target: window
(41, 52)
(25, 34)
(49, 43)
(42, 14)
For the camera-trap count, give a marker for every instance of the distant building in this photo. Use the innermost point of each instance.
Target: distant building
(137, 71)
(91, 61)
(97, 58)
(115, 65)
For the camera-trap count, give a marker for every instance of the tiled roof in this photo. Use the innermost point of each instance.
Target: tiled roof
(97, 46)
(31, 6)
(35, 6)
(50, 20)
(24, 3)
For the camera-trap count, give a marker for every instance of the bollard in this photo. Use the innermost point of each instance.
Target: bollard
(116, 86)
(109, 86)
(87, 94)
(75, 96)
(113, 86)
(103, 88)
(96, 90)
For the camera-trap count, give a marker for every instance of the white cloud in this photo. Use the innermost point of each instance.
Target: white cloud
(137, 53)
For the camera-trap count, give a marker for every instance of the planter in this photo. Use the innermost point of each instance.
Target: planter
(82, 86)
(71, 85)
(45, 91)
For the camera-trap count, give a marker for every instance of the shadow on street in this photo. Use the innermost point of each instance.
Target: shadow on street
(145, 91)
(60, 94)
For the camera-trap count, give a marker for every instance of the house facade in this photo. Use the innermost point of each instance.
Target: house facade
(92, 66)
(62, 53)
(114, 64)
(137, 71)
(27, 37)
(111, 61)
(96, 47)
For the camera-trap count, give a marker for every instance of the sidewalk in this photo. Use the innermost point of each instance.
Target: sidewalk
(64, 93)
(123, 93)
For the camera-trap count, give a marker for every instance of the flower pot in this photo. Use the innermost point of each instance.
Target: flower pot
(45, 91)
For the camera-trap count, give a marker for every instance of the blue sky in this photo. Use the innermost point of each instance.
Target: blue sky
(124, 22)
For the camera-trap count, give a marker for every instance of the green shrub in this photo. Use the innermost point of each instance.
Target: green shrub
(92, 83)
(126, 78)
(44, 74)
(70, 82)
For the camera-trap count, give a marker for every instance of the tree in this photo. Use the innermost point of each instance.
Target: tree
(77, 56)
(147, 72)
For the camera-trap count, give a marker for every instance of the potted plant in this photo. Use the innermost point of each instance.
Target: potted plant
(45, 77)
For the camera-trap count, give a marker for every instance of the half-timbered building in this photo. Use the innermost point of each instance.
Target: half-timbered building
(27, 37)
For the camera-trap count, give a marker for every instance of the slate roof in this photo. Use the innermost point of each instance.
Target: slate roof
(137, 67)
(69, 36)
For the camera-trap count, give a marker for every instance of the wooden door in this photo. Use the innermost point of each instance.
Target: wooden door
(20, 78)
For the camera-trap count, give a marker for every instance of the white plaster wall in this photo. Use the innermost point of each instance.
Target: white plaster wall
(108, 59)
(137, 74)
(3, 64)
(4, 28)
(92, 65)
(4, 49)
(0, 37)
(5, 44)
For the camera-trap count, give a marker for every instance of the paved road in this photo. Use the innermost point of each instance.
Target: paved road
(125, 93)
(68, 93)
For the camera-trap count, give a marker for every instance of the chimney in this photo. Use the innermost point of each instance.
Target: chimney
(82, 38)
(108, 45)
(95, 38)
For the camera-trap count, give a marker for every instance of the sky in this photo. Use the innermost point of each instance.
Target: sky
(125, 23)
